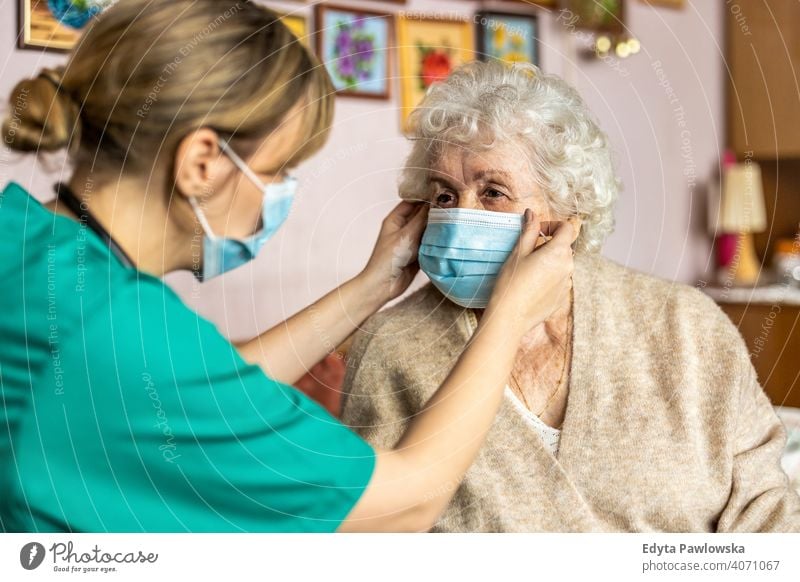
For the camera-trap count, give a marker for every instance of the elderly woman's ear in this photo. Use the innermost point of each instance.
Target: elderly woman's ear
(548, 228)
(576, 222)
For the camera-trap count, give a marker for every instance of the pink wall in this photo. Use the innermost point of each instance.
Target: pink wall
(665, 123)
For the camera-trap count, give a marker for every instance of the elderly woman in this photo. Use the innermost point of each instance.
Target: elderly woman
(634, 407)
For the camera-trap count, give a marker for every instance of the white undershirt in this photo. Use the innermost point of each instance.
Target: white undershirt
(550, 436)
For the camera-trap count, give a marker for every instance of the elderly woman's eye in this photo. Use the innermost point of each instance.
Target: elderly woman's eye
(494, 193)
(444, 199)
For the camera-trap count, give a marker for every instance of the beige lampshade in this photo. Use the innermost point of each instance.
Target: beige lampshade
(742, 204)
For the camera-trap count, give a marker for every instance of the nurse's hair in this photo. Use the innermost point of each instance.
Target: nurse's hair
(148, 72)
(483, 103)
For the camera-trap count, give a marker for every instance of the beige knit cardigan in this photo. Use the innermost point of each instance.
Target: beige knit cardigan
(666, 426)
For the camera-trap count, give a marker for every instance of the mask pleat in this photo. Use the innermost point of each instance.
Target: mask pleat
(463, 251)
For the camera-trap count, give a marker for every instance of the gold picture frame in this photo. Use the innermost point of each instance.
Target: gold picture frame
(677, 4)
(428, 49)
(39, 29)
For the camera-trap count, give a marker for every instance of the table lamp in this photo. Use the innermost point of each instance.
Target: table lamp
(742, 212)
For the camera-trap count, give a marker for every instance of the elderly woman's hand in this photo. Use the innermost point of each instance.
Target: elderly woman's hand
(393, 264)
(535, 280)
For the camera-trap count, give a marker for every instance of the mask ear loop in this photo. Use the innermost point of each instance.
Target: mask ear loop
(240, 163)
(201, 217)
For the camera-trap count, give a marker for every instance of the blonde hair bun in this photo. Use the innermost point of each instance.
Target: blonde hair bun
(41, 115)
(146, 73)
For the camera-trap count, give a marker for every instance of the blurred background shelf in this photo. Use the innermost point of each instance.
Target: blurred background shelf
(763, 115)
(762, 295)
(769, 320)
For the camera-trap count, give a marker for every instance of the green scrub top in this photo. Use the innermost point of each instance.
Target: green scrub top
(122, 410)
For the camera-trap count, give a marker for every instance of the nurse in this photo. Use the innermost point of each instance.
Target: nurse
(123, 410)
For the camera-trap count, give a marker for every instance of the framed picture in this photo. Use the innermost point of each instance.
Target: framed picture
(665, 3)
(355, 46)
(598, 15)
(512, 38)
(543, 3)
(54, 25)
(429, 50)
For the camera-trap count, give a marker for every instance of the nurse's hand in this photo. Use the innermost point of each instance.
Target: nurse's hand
(536, 278)
(288, 350)
(393, 264)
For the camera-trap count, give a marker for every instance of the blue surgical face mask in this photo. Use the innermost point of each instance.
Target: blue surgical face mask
(463, 250)
(221, 254)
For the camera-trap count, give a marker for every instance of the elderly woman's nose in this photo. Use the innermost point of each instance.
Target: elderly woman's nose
(470, 202)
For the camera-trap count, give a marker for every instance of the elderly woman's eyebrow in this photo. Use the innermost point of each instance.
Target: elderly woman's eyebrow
(441, 180)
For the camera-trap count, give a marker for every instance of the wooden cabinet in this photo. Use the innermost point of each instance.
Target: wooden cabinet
(763, 64)
(781, 181)
(763, 124)
(772, 333)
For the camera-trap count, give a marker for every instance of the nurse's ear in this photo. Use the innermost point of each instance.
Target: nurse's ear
(196, 163)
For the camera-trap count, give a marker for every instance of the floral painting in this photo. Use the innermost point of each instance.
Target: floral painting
(435, 64)
(55, 24)
(512, 38)
(355, 46)
(429, 50)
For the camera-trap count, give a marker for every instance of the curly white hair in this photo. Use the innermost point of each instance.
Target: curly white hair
(482, 103)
